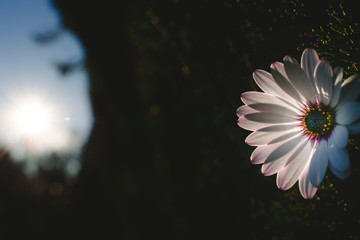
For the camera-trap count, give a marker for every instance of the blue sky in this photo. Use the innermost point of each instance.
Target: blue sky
(28, 66)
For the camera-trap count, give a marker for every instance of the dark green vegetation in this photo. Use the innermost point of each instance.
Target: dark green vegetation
(166, 158)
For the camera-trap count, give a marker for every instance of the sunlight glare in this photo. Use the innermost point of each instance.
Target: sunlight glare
(33, 125)
(32, 118)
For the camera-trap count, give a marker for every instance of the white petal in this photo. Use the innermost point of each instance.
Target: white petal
(284, 149)
(251, 125)
(340, 136)
(338, 78)
(259, 155)
(277, 128)
(339, 174)
(259, 97)
(269, 117)
(350, 90)
(324, 81)
(307, 190)
(266, 82)
(284, 137)
(258, 138)
(309, 60)
(244, 109)
(354, 128)
(338, 157)
(271, 168)
(319, 163)
(299, 79)
(280, 77)
(304, 141)
(288, 176)
(268, 107)
(348, 113)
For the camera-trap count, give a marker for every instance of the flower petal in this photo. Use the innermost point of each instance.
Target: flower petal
(251, 125)
(354, 128)
(350, 90)
(269, 117)
(267, 83)
(307, 189)
(271, 168)
(299, 79)
(262, 138)
(268, 107)
(284, 137)
(259, 155)
(244, 109)
(288, 176)
(259, 97)
(284, 149)
(338, 78)
(319, 163)
(309, 61)
(276, 128)
(339, 174)
(348, 113)
(279, 75)
(324, 81)
(338, 157)
(340, 136)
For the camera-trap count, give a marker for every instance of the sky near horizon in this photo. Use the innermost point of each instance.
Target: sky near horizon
(28, 70)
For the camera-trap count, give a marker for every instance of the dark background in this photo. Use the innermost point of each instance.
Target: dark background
(165, 158)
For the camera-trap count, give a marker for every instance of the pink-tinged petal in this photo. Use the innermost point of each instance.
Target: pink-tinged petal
(338, 157)
(271, 168)
(299, 79)
(324, 81)
(309, 60)
(288, 176)
(259, 155)
(258, 138)
(348, 113)
(290, 59)
(338, 78)
(284, 149)
(350, 90)
(244, 109)
(340, 136)
(342, 175)
(269, 117)
(250, 98)
(251, 125)
(275, 108)
(279, 157)
(280, 77)
(319, 163)
(307, 190)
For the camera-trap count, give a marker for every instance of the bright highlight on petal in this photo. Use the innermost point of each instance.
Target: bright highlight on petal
(301, 121)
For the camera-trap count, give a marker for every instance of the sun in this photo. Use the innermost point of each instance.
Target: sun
(32, 118)
(33, 124)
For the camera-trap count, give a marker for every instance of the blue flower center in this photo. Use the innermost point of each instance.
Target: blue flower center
(318, 121)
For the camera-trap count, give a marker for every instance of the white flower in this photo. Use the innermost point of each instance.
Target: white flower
(301, 121)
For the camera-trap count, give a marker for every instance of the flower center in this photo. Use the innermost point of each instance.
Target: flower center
(318, 121)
